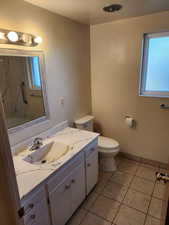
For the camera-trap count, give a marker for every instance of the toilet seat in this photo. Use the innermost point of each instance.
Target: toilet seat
(107, 145)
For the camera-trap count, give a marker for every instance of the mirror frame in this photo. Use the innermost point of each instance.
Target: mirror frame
(29, 53)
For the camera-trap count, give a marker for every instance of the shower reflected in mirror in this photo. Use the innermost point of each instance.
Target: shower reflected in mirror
(22, 89)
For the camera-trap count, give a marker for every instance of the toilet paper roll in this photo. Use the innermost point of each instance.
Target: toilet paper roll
(130, 122)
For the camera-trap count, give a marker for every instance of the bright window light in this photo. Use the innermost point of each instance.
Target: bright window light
(35, 71)
(155, 65)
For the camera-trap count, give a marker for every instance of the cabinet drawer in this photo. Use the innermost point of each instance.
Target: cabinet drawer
(32, 199)
(91, 148)
(64, 171)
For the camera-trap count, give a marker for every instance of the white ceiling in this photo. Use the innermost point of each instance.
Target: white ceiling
(90, 11)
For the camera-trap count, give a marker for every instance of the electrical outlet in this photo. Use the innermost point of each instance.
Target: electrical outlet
(61, 101)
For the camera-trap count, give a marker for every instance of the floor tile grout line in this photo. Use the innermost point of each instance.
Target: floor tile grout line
(152, 215)
(147, 214)
(139, 210)
(91, 204)
(101, 217)
(129, 187)
(126, 186)
(101, 194)
(84, 217)
(134, 208)
(121, 203)
(148, 195)
(143, 178)
(151, 196)
(111, 198)
(117, 212)
(112, 181)
(87, 210)
(107, 198)
(67, 223)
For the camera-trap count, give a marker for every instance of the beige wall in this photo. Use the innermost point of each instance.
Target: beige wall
(66, 45)
(115, 61)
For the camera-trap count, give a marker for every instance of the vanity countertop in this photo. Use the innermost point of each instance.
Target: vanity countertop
(30, 175)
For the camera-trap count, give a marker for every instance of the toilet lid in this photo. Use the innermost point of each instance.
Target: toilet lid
(108, 143)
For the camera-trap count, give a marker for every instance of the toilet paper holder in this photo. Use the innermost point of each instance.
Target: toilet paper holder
(130, 121)
(164, 106)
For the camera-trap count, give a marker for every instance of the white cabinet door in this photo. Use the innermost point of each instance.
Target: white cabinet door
(67, 196)
(78, 190)
(39, 214)
(42, 213)
(91, 171)
(60, 203)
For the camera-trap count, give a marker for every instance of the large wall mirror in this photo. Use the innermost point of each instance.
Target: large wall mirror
(23, 87)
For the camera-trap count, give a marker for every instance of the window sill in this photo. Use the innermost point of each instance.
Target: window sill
(155, 95)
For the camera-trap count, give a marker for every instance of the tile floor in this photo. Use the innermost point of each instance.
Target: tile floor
(130, 196)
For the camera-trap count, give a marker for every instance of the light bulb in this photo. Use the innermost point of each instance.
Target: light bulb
(13, 36)
(25, 38)
(2, 36)
(38, 40)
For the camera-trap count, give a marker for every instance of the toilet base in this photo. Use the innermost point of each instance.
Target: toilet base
(107, 164)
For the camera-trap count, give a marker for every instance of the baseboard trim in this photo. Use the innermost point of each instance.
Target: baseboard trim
(144, 160)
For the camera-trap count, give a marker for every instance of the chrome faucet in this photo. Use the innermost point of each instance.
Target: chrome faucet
(37, 142)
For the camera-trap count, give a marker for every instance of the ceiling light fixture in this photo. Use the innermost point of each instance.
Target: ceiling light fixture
(112, 8)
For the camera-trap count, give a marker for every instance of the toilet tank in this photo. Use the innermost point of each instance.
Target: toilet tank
(85, 123)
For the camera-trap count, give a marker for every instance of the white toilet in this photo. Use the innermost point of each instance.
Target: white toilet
(108, 147)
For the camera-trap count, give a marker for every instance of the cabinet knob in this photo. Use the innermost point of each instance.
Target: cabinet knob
(33, 216)
(73, 181)
(31, 206)
(67, 186)
(88, 164)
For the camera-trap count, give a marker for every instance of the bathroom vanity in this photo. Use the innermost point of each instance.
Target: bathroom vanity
(51, 192)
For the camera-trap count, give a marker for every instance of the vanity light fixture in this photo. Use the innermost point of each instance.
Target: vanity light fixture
(19, 38)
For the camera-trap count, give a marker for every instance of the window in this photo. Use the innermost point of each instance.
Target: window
(35, 73)
(155, 65)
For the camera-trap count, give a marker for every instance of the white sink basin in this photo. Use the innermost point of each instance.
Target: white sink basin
(48, 153)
